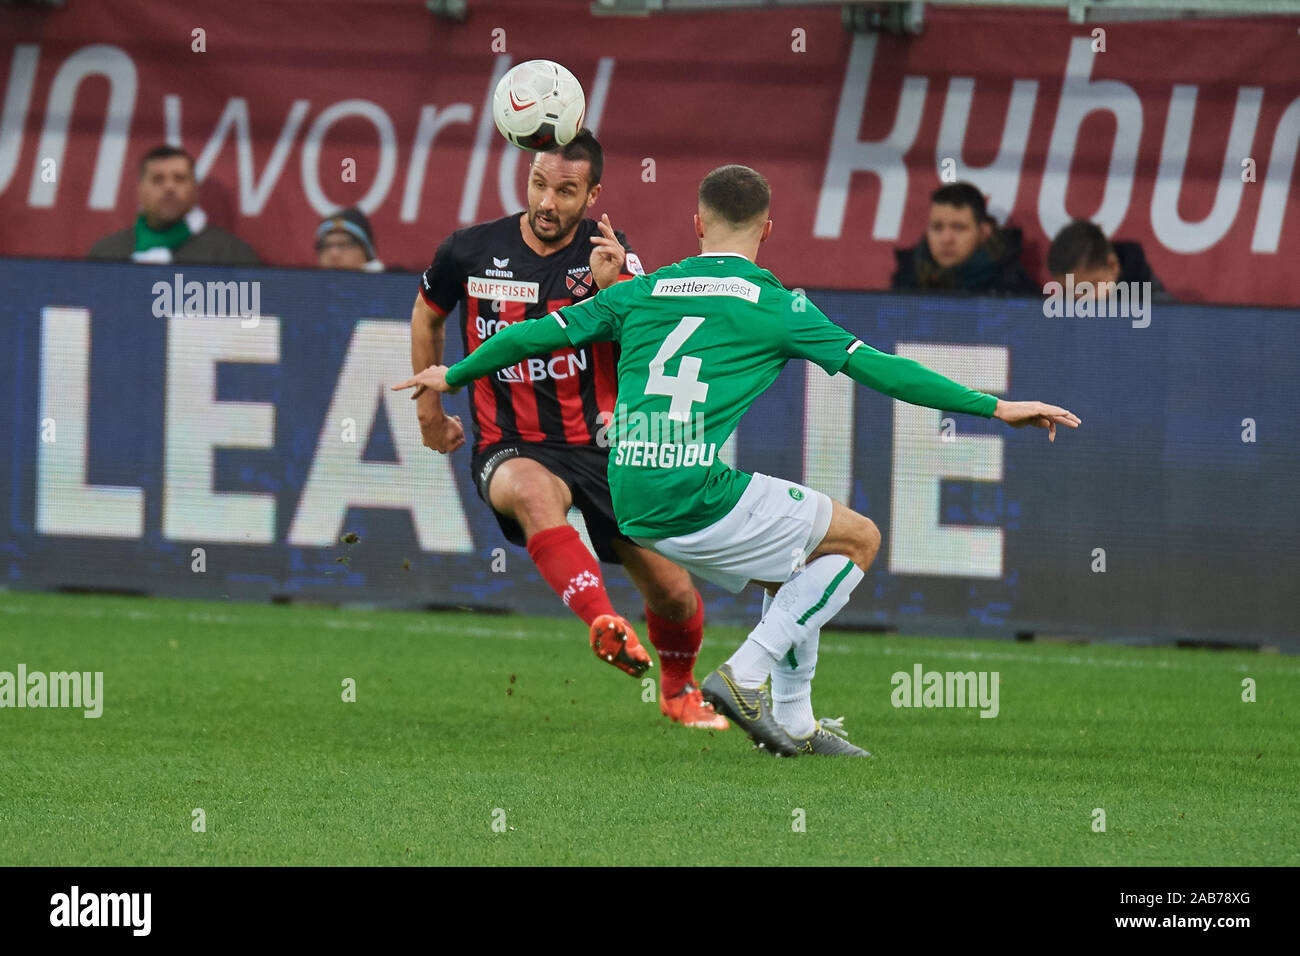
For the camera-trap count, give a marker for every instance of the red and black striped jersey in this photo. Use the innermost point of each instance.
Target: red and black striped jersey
(500, 280)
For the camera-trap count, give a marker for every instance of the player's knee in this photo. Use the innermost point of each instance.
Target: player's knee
(674, 601)
(530, 502)
(534, 515)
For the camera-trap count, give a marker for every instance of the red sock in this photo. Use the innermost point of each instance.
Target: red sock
(571, 570)
(678, 646)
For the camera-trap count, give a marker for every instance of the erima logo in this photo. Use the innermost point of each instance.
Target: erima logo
(796, 494)
(501, 263)
(102, 909)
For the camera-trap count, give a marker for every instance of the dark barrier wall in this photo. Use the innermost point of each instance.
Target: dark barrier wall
(227, 457)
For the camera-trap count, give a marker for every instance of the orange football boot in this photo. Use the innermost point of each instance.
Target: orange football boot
(689, 709)
(614, 642)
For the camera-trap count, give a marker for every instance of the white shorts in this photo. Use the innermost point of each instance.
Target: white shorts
(770, 533)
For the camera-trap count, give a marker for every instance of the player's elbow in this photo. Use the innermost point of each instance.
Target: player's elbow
(866, 543)
(425, 316)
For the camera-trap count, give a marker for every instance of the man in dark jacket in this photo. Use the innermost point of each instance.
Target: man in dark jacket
(1081, 249)
(171, 227)
(963, 250)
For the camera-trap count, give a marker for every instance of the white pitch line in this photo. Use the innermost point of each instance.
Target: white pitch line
(229, 620)
(1073, 660)
(339, 624)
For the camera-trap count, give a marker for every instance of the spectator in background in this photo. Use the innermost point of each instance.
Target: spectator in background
(171, 227)
(1081, 249)
(963, 250)
(344, 241)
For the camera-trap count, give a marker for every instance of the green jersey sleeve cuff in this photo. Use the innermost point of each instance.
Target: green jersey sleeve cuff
(456, 377)
(570, 331)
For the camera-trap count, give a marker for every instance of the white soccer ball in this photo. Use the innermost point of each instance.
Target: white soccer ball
(539, 105)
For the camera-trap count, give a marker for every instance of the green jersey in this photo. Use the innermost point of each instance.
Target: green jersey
(700, 340)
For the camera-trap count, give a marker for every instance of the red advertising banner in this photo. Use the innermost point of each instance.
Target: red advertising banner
(1180, 135)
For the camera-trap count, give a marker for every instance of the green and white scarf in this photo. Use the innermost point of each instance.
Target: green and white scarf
(153, 245)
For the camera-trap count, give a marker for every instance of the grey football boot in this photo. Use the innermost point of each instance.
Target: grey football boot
(750, 709)
(830, 739)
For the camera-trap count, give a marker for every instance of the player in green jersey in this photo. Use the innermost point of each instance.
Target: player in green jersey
(700, 340)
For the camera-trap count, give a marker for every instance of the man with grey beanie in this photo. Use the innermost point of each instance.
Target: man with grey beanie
(344, 241)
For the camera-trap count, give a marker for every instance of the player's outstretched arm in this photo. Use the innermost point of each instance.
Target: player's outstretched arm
(910, 381)
(507, 347)
(1038, 414)
(433, 378)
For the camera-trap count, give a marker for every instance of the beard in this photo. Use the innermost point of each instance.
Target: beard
(553, 227)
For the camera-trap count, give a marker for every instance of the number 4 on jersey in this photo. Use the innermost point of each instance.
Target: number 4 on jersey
(684, 388)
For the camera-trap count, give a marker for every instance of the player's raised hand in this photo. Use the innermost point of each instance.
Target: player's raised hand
(607, 255)
(434, 377)
(1038, 414)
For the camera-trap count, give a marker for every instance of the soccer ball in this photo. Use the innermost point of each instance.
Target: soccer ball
(539, 105)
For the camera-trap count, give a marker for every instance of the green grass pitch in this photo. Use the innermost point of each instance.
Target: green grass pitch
(238, 710)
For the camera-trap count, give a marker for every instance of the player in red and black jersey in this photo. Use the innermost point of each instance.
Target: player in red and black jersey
(539, 428)
(502, 280)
